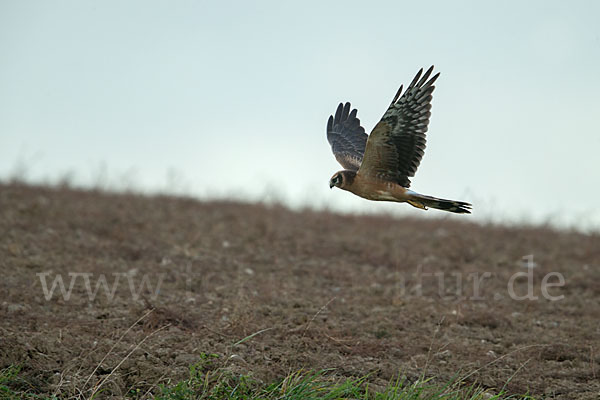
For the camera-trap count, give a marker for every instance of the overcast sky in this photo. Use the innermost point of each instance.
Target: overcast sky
(232, 98)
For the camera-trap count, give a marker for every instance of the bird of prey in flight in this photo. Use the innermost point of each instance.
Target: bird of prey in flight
(378, 166)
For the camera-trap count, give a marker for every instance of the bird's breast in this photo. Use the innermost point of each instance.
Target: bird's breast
(376, 189)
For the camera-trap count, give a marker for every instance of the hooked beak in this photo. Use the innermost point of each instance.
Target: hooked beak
(331, 185)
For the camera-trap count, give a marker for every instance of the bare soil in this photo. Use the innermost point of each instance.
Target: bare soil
(364, 295)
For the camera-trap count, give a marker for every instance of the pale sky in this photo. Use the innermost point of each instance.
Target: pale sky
(231, 98)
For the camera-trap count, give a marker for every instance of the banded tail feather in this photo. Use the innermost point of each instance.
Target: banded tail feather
(422, 201)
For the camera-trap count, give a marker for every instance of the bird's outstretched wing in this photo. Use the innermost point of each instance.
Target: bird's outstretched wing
(346, 137)
(397, 143)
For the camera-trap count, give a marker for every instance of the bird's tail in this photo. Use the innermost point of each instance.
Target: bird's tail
(422, 201)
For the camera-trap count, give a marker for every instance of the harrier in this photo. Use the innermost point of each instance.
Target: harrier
(378, 166)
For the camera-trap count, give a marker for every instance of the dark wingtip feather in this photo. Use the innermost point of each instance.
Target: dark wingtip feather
(338, 112)
(425, 77)
(433, 79)
(398, 94)
(346, 111)
(415, 79)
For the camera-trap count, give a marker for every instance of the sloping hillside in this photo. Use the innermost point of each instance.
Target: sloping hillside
(155, 284)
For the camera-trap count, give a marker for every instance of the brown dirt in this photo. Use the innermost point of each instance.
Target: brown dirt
(332, 291)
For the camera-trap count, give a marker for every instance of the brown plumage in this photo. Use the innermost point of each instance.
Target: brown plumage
(378, 166)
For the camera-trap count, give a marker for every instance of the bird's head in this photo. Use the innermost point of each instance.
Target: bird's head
(342, 179)
(336, 180)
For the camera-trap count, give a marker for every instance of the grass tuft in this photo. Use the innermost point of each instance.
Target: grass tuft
(205, 383)
(315, 385)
